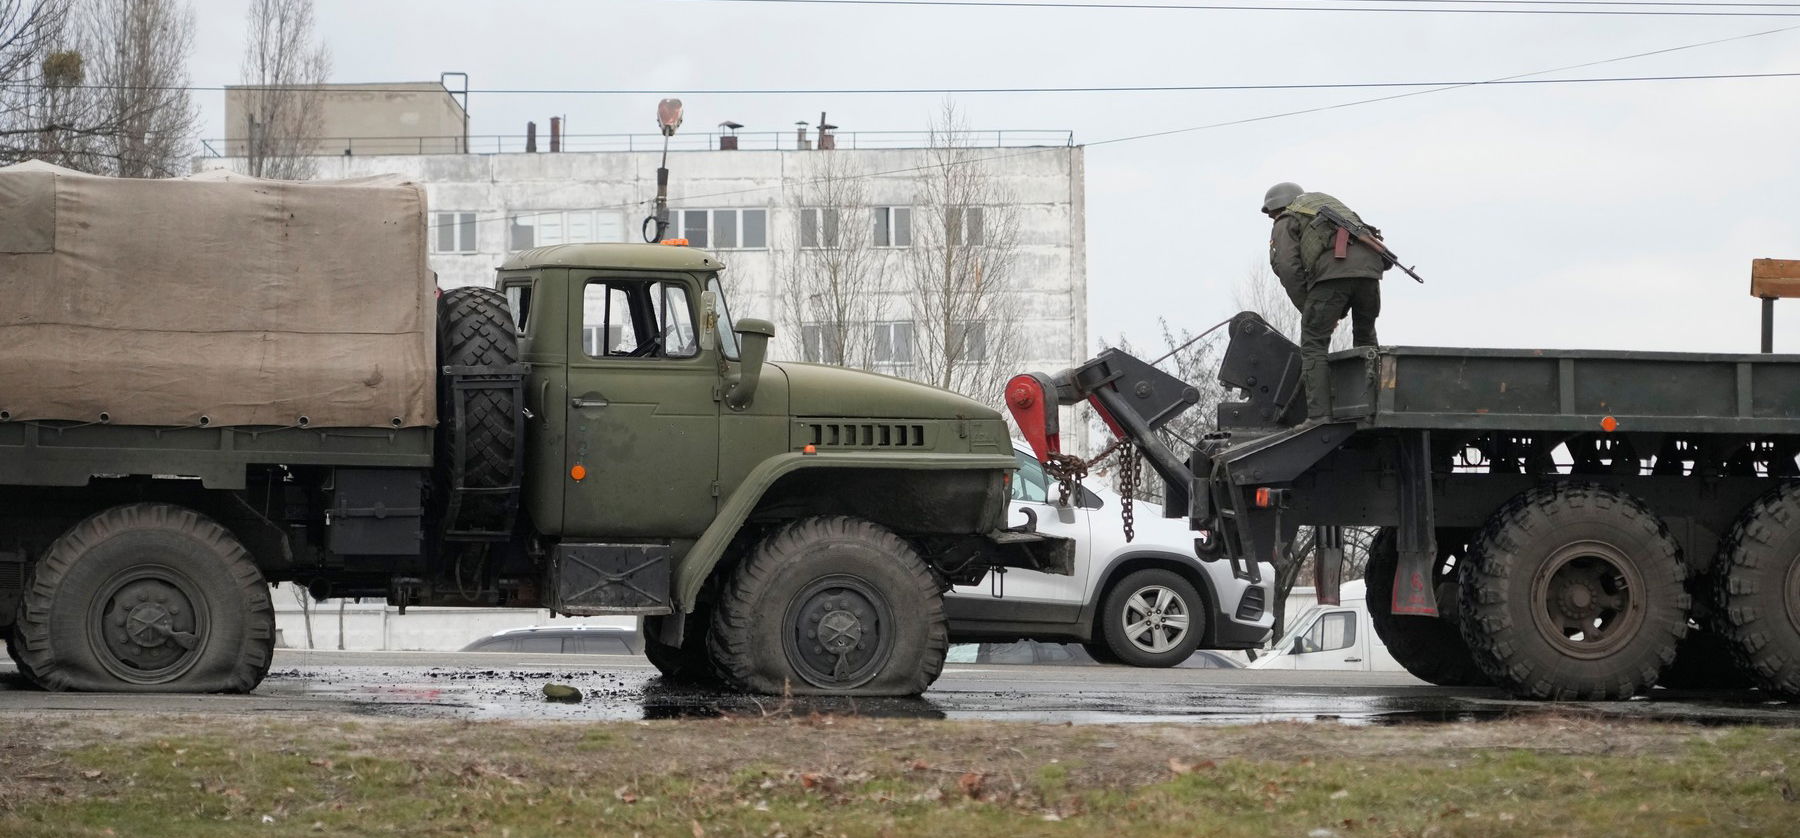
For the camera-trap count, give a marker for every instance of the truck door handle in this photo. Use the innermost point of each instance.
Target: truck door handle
(579, 403)
(1352, 660)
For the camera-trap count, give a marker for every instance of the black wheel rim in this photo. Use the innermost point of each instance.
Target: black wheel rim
(839, 632)
(1586, 599)
(148, 624)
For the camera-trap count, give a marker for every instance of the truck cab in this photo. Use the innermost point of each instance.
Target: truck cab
(1337, 637)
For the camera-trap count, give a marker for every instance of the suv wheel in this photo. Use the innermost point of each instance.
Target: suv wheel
(1152, 617)
(831, 605)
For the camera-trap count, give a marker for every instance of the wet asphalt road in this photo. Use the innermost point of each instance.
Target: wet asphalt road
(507, 686)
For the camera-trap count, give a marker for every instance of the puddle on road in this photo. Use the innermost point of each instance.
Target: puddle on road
(637, 694)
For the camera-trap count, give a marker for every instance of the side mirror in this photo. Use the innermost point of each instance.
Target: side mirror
(753, 344)
(709, 320)
(1300, 645)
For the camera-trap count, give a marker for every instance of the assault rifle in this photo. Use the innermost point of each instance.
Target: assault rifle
(1351, 229)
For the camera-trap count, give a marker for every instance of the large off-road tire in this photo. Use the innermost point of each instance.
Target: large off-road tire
(1756, 606)
(1152, 618)
(1431, 648)
(475, 329)
(691, 662)
(148, 597)
(830, 605)
(1573, 591)
(12, 651)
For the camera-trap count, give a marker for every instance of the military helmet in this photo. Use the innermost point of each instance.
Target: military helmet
(1280, 195)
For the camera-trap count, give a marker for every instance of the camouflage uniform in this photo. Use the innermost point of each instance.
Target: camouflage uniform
(1324, 287)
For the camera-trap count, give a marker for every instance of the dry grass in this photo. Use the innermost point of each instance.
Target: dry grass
(125, 774)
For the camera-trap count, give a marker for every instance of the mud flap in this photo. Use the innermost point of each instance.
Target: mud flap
(1414, 592)
(1328, 563)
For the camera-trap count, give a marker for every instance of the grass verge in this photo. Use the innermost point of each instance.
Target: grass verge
(139, 775)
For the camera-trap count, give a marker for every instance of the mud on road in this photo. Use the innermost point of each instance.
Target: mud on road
(621, 688)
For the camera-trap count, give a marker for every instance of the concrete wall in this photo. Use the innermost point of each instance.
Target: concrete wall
(372, 119)
(612, 191)
(373, 626)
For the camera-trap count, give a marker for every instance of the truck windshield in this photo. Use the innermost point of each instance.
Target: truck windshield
(727, 338)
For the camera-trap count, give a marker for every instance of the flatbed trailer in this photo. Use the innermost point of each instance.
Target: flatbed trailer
(1560, 523)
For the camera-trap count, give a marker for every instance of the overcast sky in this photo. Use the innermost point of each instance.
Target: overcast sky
(1619, 216)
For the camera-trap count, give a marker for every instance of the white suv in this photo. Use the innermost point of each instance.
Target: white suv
(1150, 602)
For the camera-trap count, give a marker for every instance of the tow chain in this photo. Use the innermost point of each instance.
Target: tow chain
(1069, 469)
(1131, 472)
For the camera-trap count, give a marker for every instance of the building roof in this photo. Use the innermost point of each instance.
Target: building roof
(655, 257)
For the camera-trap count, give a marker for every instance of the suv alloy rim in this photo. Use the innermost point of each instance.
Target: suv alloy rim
(1155, 619)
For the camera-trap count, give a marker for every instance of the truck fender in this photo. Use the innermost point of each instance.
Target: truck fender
(694, 568)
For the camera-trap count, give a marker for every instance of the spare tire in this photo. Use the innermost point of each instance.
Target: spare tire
(475, 329)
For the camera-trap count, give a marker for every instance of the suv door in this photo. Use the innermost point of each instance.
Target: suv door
(643, 422)
(1032, 489)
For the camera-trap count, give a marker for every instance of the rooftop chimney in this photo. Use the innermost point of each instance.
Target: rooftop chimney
(556, 133)
(531, 138)
(801, 142)
(728, 141)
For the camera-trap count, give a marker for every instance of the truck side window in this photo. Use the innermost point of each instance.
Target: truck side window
(1333, 631)
(518, 303)
(638, 319)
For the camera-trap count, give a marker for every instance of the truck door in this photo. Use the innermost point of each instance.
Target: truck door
(1334, 641)
(642, 451)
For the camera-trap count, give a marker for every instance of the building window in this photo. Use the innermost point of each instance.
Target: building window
(821, 343)
(972, 337)
(893, 226)
(721, 229)
(819, 227)
(894, 344)
(539, 228)
(455, 233)
(964, 225)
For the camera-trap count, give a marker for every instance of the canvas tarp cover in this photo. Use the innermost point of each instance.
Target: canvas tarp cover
(214, 300)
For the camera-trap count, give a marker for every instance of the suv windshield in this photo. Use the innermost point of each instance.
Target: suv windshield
(727, 337)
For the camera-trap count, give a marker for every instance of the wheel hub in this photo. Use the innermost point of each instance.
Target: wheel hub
(146, 628)
(839, 636)
(1586, 605)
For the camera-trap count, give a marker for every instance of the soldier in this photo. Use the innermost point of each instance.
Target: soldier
(1327, 273)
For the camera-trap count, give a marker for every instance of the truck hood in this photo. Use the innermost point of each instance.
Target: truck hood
(823, 390)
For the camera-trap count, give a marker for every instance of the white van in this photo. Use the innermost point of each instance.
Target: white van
(1332, 637)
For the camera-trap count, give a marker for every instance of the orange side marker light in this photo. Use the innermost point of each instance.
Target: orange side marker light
(810, 449)
(577, 472)
(1609, 424)
(1264, 498)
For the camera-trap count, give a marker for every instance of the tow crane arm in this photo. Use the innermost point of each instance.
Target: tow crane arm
(1229, 518)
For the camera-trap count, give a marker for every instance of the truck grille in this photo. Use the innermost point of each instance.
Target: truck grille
(862, 435)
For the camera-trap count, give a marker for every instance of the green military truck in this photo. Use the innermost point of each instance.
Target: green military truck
(211, 384)
(1562, 524)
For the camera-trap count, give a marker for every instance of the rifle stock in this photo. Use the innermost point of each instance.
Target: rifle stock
(1362, 234)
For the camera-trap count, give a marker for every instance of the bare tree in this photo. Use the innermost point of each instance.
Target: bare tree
(1262, 293)
(960, 266)
(30, 32)
(282, 70)
(832, 274)
(137, 54)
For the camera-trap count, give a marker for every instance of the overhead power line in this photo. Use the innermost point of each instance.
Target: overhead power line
(1587, 9)
(1143, 88)
(703, 196)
